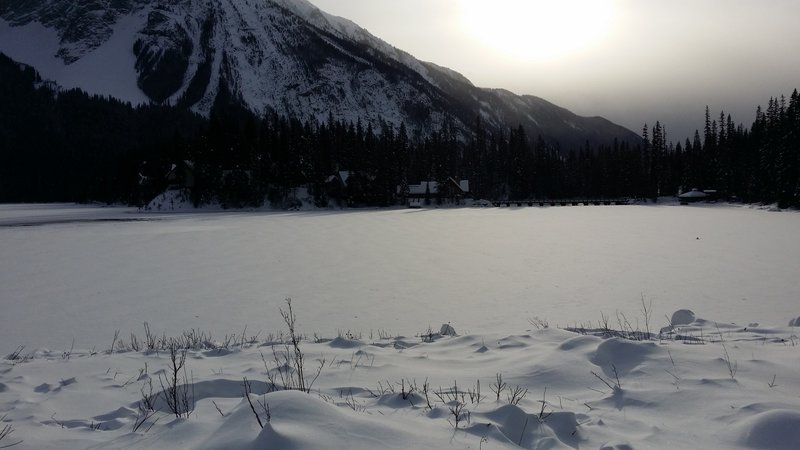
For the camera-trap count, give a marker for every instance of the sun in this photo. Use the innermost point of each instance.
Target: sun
(537, 29)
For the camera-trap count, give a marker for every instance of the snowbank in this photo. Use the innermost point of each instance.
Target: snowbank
(541, 389)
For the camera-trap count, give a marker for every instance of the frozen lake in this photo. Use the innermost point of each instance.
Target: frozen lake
(83, 272)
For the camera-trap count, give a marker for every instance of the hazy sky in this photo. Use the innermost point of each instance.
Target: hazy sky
(631, 61)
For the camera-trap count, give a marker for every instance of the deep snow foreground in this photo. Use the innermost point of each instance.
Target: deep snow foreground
(700, 385)
(81, 273)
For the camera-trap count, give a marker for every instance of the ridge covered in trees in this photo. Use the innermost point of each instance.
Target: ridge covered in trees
(69, 146)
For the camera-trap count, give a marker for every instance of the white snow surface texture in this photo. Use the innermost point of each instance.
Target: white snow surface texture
(368, 287)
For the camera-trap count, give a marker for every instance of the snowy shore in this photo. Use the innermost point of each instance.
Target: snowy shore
(697, 385)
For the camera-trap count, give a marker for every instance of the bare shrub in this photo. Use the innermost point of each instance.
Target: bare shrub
(150, 341)
(68, 353)
(450, 394)
(113, 342)
(142, 416)
(772, 384)
(539, 323)
(475, 393)
(543, 415)
(516, 394)
(17, 357)
(384, 335)
(289, 371)
(407, 390)
(135, 344)
(626, 329)
(459, 412)
(613, 385)
(175, 384)
(426, 391)
(498, 386)
(647, 314)
(352, 403)
(16, 354)
(428, 336)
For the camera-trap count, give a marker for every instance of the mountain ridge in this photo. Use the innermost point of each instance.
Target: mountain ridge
(278, 56)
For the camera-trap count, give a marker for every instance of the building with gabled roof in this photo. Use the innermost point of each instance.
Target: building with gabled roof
(451, 191)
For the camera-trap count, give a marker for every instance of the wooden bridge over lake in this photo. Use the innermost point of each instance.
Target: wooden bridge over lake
(583, 202)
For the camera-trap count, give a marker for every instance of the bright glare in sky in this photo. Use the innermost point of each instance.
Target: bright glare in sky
(538, 29)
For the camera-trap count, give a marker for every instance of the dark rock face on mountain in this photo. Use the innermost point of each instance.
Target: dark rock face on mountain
(162, 54)
(275, 56)
(82, 26)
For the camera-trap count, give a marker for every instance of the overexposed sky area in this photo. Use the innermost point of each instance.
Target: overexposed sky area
(631, 61)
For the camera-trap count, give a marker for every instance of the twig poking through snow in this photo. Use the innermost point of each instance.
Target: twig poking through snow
(218, 408)
(733, 366)
(6, 431)
(247, 391)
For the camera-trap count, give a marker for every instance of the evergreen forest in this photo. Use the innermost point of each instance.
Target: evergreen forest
(65, 145)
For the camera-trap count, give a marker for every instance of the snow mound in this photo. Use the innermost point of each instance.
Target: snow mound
(340, 342)
(617, 446)
(776, 429)
(302, 421)
(622, 354)
(679, 318)
(447, 330)
(682, 317)
(579, 342)
(171, 200)
(559, 431)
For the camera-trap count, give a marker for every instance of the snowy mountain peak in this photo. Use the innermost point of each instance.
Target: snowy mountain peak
(281, 56)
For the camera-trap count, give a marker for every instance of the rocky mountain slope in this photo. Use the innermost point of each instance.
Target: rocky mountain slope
(282, 56)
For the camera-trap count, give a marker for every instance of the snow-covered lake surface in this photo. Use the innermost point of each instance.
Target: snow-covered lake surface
(72, 275)
(77, 272)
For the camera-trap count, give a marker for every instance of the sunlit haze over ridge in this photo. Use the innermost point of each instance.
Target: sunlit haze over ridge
(631, 61)
(560, 28)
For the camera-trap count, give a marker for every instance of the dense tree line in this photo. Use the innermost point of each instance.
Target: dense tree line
(69, 146)
(756, 164)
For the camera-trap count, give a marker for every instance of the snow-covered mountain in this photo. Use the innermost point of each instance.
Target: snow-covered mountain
(283, 56)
